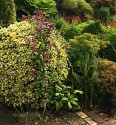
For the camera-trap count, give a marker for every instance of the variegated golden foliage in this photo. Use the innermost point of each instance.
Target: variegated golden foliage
(17, 85)
(107, 78)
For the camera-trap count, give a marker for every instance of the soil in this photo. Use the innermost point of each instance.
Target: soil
(93, 116)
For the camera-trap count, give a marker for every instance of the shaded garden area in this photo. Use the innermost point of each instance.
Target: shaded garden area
(57, 58)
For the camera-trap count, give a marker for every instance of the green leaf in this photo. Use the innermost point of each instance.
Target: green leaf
(57, 106)
(69, 105)
(64, 98)
(73, 102)
(78, 91)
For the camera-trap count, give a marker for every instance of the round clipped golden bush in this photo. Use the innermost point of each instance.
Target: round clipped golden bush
(15, 58)
(17, 85)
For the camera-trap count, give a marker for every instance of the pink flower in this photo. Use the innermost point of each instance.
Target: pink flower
(34, 47)
(34, 12)
(25, 42)
(46, 54)
(50, 32)
(40, 11)
(38, 27)
(33, 40)
(38, 17)
(48, 60)
(33, 17)
(24, 16)
(43, 21)
(50, 44)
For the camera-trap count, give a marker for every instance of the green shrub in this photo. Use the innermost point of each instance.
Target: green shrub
(60, 23)
(77, 7)
(29, 6)
(71, 32)
(103, 14)
(83, 57)
(107, 81)
(7, 12)
(110, 52)
(93, 28)
(81, 26)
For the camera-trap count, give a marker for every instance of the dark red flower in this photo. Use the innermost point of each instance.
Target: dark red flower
(46, 54)
(50, 44)
(43, 36)
(33, 40)
(34, 47)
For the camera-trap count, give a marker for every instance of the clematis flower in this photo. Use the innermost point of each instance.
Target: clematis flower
(38, 27)
(33, 40)
(43, 36)
(46, 54)
(34, 12)
(33, 17)
(50, 32)
(43, 21)
(50, 44)
(47, 16)
(24, 16)
(34, 47)
(40, 11)
(38, 17)
(48, 60)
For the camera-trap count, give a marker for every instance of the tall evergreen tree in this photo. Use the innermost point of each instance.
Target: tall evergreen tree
(7, 12)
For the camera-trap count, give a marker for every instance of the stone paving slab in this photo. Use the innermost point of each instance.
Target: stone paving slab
(88, 117)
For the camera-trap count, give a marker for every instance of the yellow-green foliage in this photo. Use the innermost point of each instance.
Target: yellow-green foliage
(107, 78)
(15, 58)
(77, 6)
(7, 12)
(88, 43)
(17, 85)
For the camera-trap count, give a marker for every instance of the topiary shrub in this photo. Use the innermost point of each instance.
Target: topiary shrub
(7, 12)
(93, 28)
(71, 32)
(77, 7)
(107, 81)
(104, 14)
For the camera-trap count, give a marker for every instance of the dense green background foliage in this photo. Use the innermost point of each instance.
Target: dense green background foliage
(29, 6)
(77, 7)
(7, 12)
